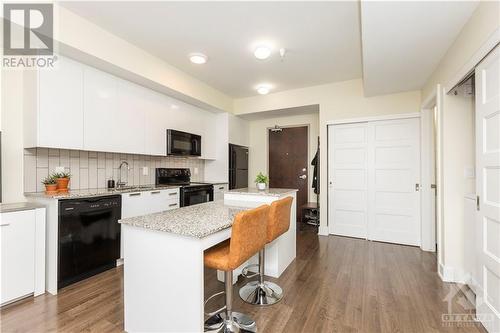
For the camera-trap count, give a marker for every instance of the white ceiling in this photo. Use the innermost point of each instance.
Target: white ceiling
(404, 41)
(322, 39)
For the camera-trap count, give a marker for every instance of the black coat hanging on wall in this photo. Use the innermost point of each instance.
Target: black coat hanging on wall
(315, 164)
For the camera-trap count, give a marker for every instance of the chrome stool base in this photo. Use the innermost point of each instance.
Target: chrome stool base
(240, 323)
(256, 293)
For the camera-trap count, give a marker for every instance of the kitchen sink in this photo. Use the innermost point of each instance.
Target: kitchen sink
(132, 188)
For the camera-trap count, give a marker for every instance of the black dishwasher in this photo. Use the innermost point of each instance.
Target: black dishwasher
(89, 237)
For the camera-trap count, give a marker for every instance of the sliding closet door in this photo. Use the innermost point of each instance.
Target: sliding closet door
(488, 190)
(394, 173)
(348, 183)
(373, 180)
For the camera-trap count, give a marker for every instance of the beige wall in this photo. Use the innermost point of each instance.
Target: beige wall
(258, 160)
(482, 24)
(340, 100)
(458, 153)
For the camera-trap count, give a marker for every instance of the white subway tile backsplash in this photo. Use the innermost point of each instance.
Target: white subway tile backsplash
(93, 169)
(101, 178)
(30, 173)
(41, 173)
(42, 158)
(84, 179)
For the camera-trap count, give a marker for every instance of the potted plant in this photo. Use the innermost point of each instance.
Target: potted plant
(50, 185)
(261, 181)
(62, 180)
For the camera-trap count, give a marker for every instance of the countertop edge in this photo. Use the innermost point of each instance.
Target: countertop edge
(19, 207)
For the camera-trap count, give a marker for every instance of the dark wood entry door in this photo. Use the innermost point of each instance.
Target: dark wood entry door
(288, 161)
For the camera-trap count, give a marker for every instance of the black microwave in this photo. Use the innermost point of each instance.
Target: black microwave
(183, 144)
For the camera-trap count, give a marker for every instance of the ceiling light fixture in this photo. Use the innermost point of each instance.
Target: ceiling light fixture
(263, 89)
(262, 52)
(198, 58)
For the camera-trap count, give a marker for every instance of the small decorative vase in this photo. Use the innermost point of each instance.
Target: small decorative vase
(261, 186)
(62, 184)
(50, 189)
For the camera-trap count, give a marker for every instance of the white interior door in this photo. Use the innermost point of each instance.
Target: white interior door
(394, 173)
(348, 179)
(488, 190)
(373, 171)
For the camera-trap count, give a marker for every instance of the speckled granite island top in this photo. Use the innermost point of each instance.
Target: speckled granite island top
(272, 192)
(195, 221)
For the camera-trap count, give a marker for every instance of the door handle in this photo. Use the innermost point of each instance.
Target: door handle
(303, 177)
(4, 224)
(417, 187)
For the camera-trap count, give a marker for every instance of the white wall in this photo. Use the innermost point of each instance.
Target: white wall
(259, 153)
(339, 100)
(483, 23)
(12, 136)
(238, 130)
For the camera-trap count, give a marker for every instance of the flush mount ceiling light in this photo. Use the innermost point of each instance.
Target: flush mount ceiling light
(198, 58)
(262, 52)
(263, 89)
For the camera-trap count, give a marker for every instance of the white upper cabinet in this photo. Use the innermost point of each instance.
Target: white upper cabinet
(100, 111)
(158, 114)
(130, 121)
(55, 110)
(76, 106)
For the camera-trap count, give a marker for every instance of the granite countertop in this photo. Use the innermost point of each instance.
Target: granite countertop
(95, 192)
(19, 206)
(270, 192)
(194, 221)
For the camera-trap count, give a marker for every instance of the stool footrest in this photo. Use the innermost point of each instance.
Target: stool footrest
(218, 310)
(245, 271)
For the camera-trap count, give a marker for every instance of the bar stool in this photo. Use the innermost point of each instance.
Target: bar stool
(265, 292)
(248, 236)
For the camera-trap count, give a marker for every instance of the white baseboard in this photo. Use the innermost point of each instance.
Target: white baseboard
(323, 230)
(451, 274)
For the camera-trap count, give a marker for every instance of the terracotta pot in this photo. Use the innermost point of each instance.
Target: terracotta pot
(62, 184)
(50, 189)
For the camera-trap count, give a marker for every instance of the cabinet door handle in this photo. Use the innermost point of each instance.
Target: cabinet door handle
(221, 188)
(5, 224)
(134, 194)
(172, 205)
(173, 193)
(155, 192)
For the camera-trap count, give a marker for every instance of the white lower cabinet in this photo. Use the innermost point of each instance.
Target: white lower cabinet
(21, 240)
(219, 190)
(148, 202)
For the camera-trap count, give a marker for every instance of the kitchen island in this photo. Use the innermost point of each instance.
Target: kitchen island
(163, 260)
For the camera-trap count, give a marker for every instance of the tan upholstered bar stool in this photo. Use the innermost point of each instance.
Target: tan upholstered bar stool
(248, 236)
(265, 292)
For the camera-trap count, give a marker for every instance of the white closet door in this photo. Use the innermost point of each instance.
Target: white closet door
(488, 189)
(348, 184)
(394, 172)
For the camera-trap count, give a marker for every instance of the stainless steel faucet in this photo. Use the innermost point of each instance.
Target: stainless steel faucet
(121, 183)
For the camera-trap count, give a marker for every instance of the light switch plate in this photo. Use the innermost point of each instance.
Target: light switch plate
(469, 173)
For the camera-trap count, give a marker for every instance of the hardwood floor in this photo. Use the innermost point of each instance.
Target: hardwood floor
(335, 285)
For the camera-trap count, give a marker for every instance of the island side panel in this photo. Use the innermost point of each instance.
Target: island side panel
(163, 281)
(281, 252)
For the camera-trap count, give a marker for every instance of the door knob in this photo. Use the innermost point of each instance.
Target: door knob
(303, 177)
